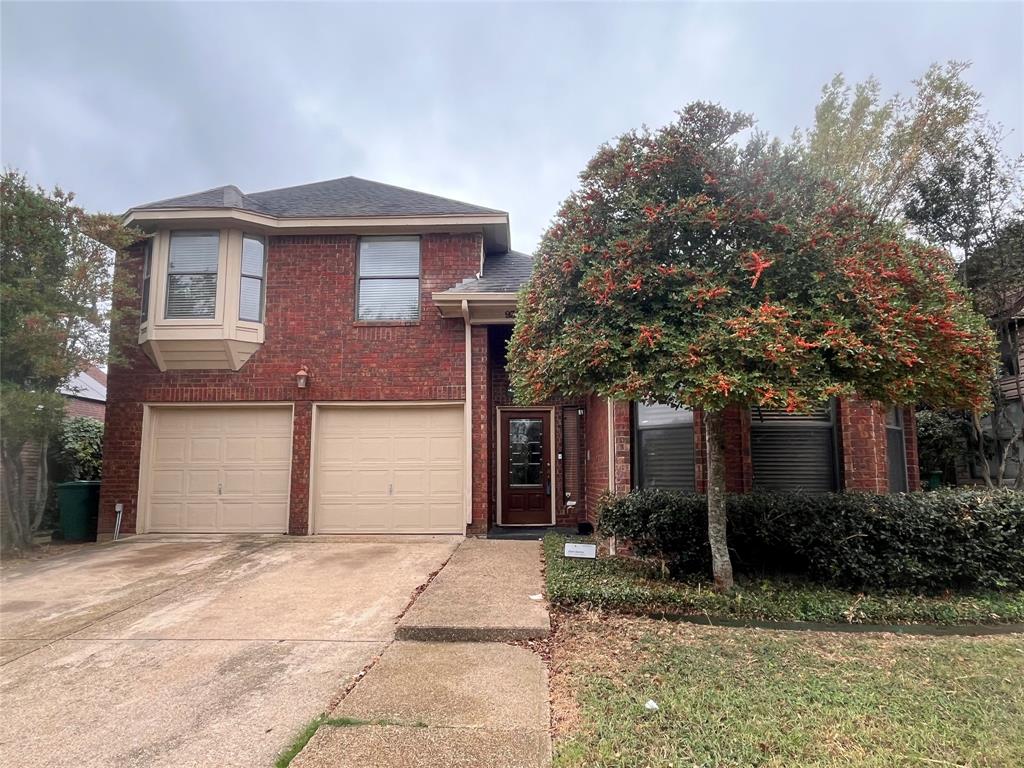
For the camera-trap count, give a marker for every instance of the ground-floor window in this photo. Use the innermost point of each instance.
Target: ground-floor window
(794, 451)
(895, 448)
(663, 447)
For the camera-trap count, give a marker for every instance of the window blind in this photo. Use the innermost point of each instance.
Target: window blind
(793, 451)
(192, 275)
(389, 278)
(665, 455)
(250, 298)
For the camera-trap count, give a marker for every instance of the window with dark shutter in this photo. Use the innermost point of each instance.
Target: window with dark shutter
(793, 451)
(663, 447)
(896, 450)
(389, 278)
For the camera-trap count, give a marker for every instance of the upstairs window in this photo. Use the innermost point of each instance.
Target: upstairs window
(192, 275)
(664, 452)
(896, 449)
(147, 269)
(251, 293)
(389, 278)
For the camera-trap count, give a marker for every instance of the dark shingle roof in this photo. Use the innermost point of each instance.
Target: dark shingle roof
(348, 196)
(503, 273)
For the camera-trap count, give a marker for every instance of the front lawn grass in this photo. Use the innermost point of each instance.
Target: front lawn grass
(757, 697)
(630, 586)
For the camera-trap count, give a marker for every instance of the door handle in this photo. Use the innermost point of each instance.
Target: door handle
(220, 489)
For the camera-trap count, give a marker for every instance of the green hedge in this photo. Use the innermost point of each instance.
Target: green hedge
(952, 539)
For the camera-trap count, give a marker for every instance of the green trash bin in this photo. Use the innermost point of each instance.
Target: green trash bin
(79, 506)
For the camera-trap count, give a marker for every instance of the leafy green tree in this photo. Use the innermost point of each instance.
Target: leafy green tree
(56, 284)
(689, 270)
(970, 203)
(874, 149)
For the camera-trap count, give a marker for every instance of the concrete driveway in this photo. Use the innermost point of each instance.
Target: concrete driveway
(193, 651)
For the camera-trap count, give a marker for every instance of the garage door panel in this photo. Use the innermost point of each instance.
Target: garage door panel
(272, 481)
(389, 468)
(373, 448)
(274, 448)
(444, 481)
(201, 516)
(240, 449)
(411, 482)
(410, 448)
(204, 449)
(446, 516)
(202, 482)
(168, 481)
(447, 448)
(219, 469)
(239, 481)
(166, 515)
(354, 517)
(371, 482)
(169, 449)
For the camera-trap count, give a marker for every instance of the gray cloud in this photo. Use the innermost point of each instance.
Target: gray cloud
(499, 105)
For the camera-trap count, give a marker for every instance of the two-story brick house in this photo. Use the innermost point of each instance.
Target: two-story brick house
(330, 358)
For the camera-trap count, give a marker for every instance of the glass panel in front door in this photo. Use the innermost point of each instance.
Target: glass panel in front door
(525, 451)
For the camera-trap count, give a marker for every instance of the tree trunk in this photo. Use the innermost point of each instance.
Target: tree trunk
(721, 565)
(18, 510)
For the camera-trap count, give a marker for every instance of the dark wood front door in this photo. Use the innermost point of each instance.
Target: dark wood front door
(526, 468)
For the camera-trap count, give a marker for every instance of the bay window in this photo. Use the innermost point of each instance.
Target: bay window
(192, 275)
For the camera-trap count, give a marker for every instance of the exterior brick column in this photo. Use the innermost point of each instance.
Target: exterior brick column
(298, 502)
(480, 430)
(862, 445)
(623, 457)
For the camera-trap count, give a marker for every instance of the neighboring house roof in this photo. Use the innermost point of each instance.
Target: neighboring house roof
(503, 273)
(90, 384)
(347, 196)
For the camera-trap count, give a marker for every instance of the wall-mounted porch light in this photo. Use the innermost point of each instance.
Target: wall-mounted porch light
(301, 377)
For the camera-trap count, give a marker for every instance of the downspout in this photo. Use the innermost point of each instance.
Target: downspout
(468, 416)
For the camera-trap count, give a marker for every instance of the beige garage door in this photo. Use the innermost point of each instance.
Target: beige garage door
(389, 470)
(219, 470)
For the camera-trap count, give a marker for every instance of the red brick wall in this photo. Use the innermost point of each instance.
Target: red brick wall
(310, 320)
(76, 407)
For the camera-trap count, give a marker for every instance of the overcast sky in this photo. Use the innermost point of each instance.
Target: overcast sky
(499, 105)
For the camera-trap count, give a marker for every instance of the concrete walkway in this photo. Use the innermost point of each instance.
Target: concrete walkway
(436, 700)
(483, 594)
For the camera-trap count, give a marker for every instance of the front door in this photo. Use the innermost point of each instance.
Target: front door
(525, 468)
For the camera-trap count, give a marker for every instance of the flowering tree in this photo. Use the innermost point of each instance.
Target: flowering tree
(692, 271)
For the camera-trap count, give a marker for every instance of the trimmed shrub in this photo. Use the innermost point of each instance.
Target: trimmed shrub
(951, 539)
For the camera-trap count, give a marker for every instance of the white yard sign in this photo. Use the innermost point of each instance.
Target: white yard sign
(581, 550)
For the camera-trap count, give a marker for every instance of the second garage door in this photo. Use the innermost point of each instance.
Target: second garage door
(389, 470)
